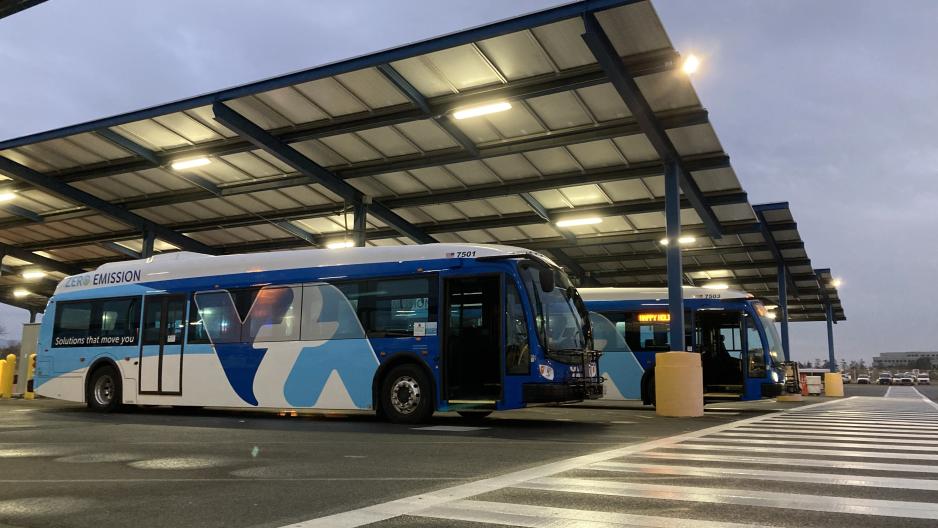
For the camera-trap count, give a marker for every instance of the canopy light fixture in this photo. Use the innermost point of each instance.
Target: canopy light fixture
(190, 163)
(339, 244)
(771, 307)
(682, 241)
(771, 315)
(476, 111)
(33, 274)
(836, 283)
(7, 196)
(590, 220)
(717, 286)
(691, 64)
(19, 293)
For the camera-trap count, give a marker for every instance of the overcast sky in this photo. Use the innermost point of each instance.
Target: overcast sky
(827, 105)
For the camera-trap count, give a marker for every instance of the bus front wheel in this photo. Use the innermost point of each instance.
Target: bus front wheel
(104, 390)
(406, 395)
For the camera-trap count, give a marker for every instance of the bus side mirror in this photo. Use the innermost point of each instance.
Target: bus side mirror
(546, 278)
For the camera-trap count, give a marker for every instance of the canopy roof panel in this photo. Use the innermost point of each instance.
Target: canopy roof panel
(383, 128)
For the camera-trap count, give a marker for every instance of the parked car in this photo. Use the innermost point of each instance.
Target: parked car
(863, 380)
(923, 379)
(885, 378)
(905, 378)
(845, 377)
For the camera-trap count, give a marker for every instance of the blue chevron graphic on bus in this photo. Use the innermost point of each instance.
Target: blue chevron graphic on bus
(342, 346)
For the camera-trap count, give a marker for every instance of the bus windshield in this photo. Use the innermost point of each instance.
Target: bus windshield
(560, 325)
(771, 333)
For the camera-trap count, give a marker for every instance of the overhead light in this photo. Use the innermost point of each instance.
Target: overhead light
(476, 111)
(682, 241)
(33, 274)
(836, 283)
(339, 244)
(770, 315)
(19, 292)
(190, 163)
(7, 196)
(579, 221)
(717, 286)
(771, 307)
(690, 65)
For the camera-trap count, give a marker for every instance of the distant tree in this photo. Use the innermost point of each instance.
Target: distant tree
(922, 363)
(817, 363)
(862, 364)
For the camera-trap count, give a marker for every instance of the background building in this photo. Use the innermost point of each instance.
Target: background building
(905, 359)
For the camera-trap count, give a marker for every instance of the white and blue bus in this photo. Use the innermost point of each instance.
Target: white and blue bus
(400, 330)
(739, 345)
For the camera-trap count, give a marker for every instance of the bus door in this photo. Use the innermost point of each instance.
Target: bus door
(721, 346)
(164, 323)
(472, 337)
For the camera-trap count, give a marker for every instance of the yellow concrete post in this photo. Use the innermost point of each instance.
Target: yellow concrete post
(833, 385)
(6, 376)
(678, 384)
(29, 394)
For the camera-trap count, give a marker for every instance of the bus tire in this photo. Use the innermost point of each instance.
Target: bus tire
(474, 416)
(648, 388)
(104, 390)
(407, 395)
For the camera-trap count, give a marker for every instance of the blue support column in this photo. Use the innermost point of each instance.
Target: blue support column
(783, 308)
(830, 336)
(672, 202)
(148, 240)
(359, 227)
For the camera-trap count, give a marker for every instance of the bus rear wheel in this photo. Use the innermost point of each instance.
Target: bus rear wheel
(406, 395)
(104, 390)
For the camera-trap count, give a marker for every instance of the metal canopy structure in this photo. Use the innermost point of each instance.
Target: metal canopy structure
(371, 150)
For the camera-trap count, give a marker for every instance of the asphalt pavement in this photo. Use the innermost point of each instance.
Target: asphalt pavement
(617, 464)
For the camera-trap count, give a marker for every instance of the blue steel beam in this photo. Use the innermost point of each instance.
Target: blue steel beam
(266, 141)
(130, 146)
(47, 263)
(624, 83)
(123, 250)
(21, 212)
(421, 102)
(53, 186)
(829, 315)
(298, 232)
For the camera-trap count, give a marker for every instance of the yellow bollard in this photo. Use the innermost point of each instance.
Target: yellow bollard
(6, 379)
(28, 394)
(678, 384)
(833, 385)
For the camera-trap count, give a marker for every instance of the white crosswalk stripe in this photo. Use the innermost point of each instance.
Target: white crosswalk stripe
(854, 457)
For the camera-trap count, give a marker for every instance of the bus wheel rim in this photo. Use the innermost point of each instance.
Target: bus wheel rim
(405, 394)
(104, 390)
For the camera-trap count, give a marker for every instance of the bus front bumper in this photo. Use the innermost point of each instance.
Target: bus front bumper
(772, 390)
(562, 392)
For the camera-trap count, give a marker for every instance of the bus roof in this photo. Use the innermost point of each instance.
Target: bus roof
(643, 294)
(184, 264)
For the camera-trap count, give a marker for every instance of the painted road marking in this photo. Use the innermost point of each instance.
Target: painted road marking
(418, 503)
(762, 499)
(762, 474)
(505, 514)
(805, 462)
(729, 448)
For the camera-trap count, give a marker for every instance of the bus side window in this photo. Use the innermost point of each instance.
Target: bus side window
(390, 307)
(73, 320)
(329, 314)
(120, 320)
(274, 316)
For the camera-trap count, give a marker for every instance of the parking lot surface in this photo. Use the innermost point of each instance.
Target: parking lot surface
(863, 461)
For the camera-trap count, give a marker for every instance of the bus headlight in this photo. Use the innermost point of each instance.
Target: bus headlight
(774, 377)
(547, 372)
